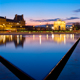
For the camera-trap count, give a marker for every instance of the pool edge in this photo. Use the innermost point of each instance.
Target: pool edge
(54, 73)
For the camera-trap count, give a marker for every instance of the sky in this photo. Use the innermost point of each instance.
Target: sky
(42, 11)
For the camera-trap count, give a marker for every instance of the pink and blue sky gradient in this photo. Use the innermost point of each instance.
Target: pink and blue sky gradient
(44, 11)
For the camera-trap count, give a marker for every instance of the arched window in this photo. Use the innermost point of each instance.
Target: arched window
(59, 27)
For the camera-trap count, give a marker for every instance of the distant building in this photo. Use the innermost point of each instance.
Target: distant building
(49, 26)
(76, 26)
(59, 25)
(17, 21)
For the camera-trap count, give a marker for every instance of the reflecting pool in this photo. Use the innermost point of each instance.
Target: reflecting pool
(36, 55)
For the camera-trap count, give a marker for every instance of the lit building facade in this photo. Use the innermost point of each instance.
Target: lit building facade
(59, 25)
(17, 21)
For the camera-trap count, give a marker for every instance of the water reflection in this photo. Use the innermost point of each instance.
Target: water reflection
(33, 37)
(42, 52)
(40, 39)
(47, 36)
(52, 36)
(19, 39)
(59, 38)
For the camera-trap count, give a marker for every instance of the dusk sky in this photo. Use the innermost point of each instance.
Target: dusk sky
(44, 11)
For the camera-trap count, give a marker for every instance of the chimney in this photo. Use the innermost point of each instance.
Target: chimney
(16, 17)
(5, 17)
(22, 17)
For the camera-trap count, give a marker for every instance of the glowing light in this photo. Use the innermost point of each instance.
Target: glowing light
(40, 39)
(20, 26)
(17, 23)
(20, 37)
(52, 36)
(47, 36)
(33, 37)
(67, 36)
(73, 36)
(70, 29)
(60, 23)
(4, 39)
(47, 26)
(11, 37)
(53, 28)
(64, 39)
(60, 38)
(17, 39)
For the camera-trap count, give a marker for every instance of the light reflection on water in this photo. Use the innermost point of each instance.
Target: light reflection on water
(58, 38)
(36, 54)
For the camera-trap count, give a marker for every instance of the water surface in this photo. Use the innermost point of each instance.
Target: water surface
(36, 55)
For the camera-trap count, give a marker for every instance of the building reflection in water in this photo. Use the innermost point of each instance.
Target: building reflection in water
(11, 37)
(33, 37)
(20, 37)
(47, 36)
(52, 36)
(59, 38)
(73, 36)
(40, 39)
(4, 39)
(64, 39)
(17, 39)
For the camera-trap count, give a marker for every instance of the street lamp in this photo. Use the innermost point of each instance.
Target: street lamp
(47, 26)
(52, 28)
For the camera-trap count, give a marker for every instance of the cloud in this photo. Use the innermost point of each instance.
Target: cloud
(70, 23)
(48, 20)
(71, 18)
(78, 10)
(44, 20)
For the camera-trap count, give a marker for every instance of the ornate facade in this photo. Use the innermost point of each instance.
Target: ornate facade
(17, 21)
(59, 25)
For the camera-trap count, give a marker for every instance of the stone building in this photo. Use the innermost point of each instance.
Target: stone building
(17, 21)
(59, 25)
(76, 26)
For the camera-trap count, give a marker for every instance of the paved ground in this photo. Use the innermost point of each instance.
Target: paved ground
(6, 74)
(71, 70)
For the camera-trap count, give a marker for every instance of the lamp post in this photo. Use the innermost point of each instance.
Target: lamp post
(52, 28)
